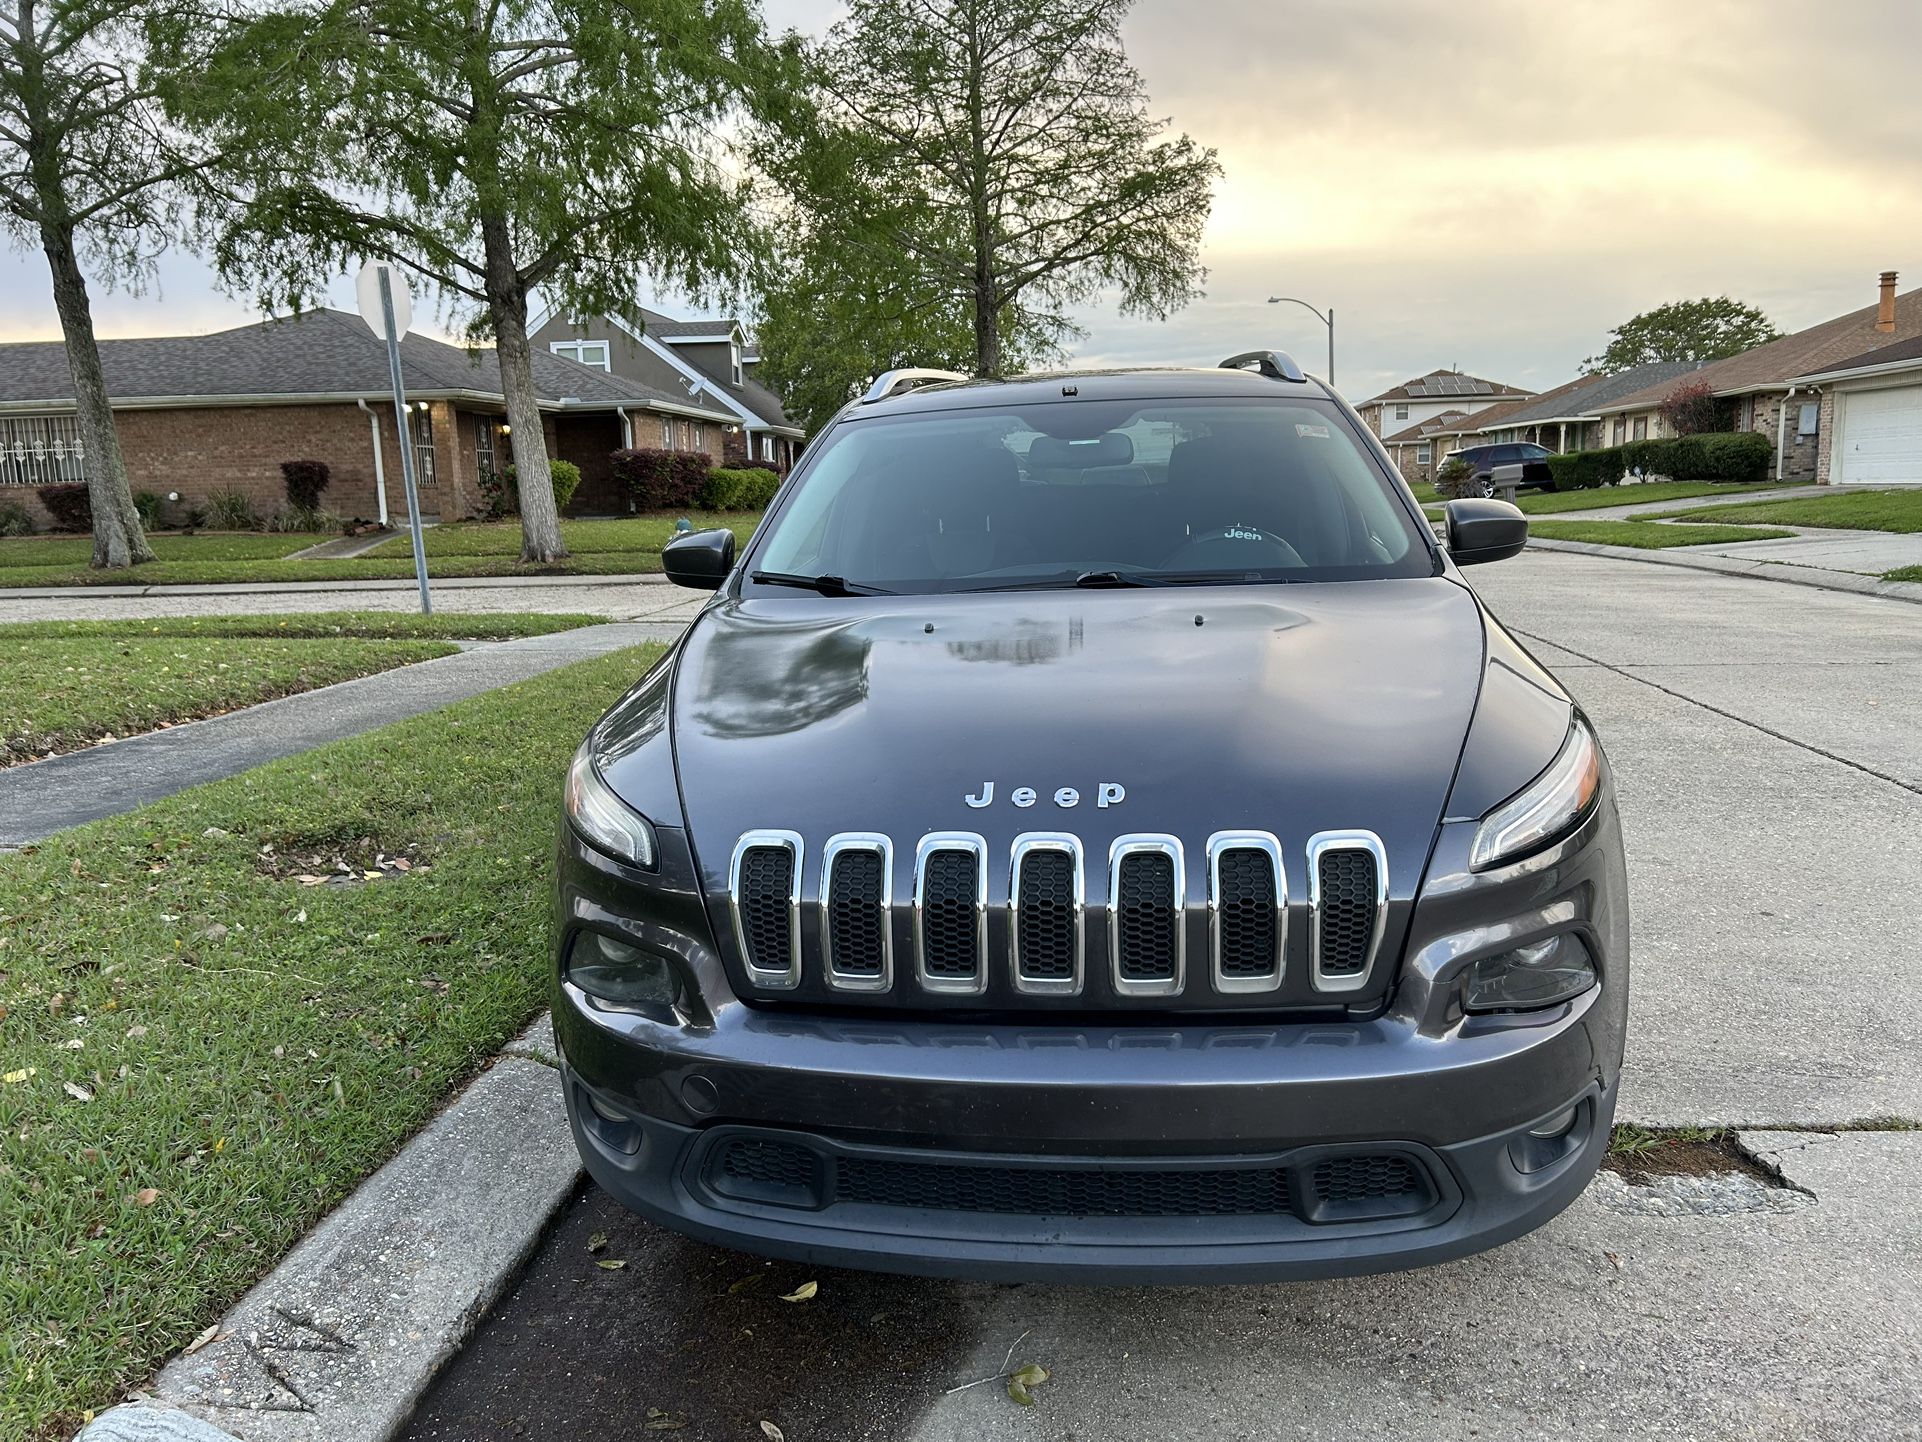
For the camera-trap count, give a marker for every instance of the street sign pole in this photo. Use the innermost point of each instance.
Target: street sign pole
(406, 436)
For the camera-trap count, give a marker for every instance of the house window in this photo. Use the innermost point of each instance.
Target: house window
(767, 448)
(734, 358)
(41, 450)
(1424, 454)
(587, 352)
(667, 434)
(1641, 428)
(1621, 430)
(1808, 419)
(486, 462)
(1401, 413)
(421, 424)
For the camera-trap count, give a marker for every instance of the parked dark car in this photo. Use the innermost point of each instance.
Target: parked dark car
(1094, 833)
(1533, 460)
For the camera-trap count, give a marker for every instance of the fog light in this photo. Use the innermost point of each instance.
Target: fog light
(620, 974)
(1556, 1126)
(1540, 974)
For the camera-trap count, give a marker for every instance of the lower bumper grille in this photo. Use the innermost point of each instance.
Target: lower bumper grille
(1363, 1185)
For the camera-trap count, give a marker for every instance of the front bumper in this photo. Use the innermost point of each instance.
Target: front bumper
(1015, 1150)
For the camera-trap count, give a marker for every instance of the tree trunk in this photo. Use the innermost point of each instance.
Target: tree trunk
(987, 330)
(118, 540)
(533, 481)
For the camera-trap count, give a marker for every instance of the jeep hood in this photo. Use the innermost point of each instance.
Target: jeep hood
(1291, 709)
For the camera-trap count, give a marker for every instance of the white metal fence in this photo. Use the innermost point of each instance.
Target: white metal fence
(41, 451)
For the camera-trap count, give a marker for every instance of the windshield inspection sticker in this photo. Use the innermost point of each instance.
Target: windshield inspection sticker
(1319, 433)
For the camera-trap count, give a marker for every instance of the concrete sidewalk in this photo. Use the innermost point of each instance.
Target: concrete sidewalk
(43, 797)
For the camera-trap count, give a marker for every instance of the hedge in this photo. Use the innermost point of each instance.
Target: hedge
(660, 480)
(304, 481)
(739, 490)
(1719, 456)
(69, 505)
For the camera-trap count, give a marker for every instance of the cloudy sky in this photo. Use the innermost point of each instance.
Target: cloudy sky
(1492, 185)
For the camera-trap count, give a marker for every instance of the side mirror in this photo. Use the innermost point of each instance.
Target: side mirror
(1481, 531)
(700, 559)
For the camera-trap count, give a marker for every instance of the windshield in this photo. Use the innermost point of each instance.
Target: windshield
(1094, 493)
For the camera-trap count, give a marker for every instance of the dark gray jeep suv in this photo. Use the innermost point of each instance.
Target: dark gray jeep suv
(1094, 833)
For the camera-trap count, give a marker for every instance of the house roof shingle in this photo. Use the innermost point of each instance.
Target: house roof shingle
(1442, 385)
(1583, 397)
(750, 393)
(319, 353)
(1422, 430)
(1776, 364)
(1902, 350)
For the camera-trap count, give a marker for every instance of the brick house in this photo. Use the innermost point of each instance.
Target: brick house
(1870, 417)
(1427, 397)
(713, 361)
(1413, 449)
(203, 413)
(1768, 388)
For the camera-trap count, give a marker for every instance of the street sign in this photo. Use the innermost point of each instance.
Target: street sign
(387, 308)
(367, 290)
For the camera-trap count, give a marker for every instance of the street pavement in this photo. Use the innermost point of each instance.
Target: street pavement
(1769, 773)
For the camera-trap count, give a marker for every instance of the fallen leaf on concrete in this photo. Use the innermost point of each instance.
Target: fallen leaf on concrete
(1031, 1375)
(659, 1421)
(1019, 1393)
(611, 1264)
(775, 1434)
(802, 1293)
(597, 1241)
(207, 1338)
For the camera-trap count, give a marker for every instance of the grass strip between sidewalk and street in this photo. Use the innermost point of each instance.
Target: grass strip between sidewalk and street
(62, 695)
(1647, 535)
(1899, 511)
(204, 1047)
(582, 538)
(367, 625)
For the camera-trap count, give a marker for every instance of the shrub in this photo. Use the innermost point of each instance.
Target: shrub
(739, 490)
(662, 480)
(1719, 456)
(14, 520)
(231, 509)
(292, 518)
(1456, 479)
(565, 476)
(1692, 408)
(69, 505)
(1563, 470)
(497, 496)
(148, 505)
(304, 480)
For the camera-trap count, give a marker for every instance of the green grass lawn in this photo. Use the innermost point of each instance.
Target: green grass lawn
(1646, 536)
(634, 535)
(369, 625)
(1543, 503)
(71, 551)
(1846, 510)
(200, 1056)
(1426, 493)
(600, 548)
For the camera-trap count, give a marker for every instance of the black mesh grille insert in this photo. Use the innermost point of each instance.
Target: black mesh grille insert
(856, 913)
(1347, 917)
(1367, 1179)
(1042, 1192)
(1045, 914)
(1145, 916)
(1247, 913)
(767, 878)
(949, 926)
(778, 1163)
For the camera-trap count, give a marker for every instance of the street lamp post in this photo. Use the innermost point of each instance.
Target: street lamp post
(1327, 320)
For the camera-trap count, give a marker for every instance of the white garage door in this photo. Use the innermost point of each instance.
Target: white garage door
(1879, 440)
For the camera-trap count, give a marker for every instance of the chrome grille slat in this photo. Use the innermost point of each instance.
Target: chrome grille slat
(1046, 908)
(1247, 911)
(856, 911)
(950, 913)
(1147, 893)
(1347, 907)
(764, 897)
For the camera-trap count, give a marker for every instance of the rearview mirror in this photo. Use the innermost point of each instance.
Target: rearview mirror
(700, 559)
(1480, 531)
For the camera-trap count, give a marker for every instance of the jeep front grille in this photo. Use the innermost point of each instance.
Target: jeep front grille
(857, 889)
(1347, 905)
(766, 897)
(1045, 914)
(950, 906)
(1145, 931)
(1247, 911)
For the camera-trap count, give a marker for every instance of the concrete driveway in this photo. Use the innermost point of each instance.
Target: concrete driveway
(1769, 766)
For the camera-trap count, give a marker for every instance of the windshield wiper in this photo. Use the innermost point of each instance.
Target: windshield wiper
(1101, 580)
(826, 585)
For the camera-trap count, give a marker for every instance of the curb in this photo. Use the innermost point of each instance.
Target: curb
(298, 588)
(338, 1342)
(1783, 571)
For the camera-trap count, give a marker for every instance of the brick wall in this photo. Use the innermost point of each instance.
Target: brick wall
(1801, 455)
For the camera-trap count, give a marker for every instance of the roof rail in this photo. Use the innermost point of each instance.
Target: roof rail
(892, 383)
(1277, 365)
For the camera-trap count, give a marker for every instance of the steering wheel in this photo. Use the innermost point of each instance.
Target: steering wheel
(1234, 547)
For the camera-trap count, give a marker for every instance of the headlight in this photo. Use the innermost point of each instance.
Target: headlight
(603, 818)
(1547, 808)
(1539, 974)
